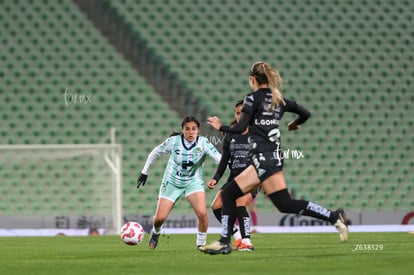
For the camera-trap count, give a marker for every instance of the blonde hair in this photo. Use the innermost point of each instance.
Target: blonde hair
(265, 74)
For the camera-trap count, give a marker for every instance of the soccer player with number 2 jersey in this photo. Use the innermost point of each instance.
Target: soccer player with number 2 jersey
(182, 176)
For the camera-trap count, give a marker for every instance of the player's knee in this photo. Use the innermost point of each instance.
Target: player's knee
(244, 200)
(281, 200)
(231, 192)
(201, 213)
(202, 217)
(216, 205)
(225, 196)
(283, 206)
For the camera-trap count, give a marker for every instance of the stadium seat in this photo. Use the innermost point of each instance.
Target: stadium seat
(85, 69)
(331, 63)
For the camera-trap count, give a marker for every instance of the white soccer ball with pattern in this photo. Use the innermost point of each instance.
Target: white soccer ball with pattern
(132, 233)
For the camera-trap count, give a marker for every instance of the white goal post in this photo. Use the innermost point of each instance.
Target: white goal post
(61, 186)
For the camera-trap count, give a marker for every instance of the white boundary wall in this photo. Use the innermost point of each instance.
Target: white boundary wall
(216, 230)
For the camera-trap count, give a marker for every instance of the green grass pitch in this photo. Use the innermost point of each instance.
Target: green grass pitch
(320, 253)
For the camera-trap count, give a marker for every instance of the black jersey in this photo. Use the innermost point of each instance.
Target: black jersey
(235, 154)
(239, 147)
(265, 118)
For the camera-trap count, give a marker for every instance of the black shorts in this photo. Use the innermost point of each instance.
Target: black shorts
(256, 191)
(267, 164)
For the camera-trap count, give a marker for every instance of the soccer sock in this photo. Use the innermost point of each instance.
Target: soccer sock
(244, 219)
(253, 216)
(156, 230)
(247, 241)
(282, 200)
(217, 214)
(229, 195)
(201, 238)
(236, 231)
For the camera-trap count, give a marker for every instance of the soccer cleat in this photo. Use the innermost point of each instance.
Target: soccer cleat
(245, 247)
(237, 243)
(217, 248)
(201, 248)
(153, 242)
(341, 226)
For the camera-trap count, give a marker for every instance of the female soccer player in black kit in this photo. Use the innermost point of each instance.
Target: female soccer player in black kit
(262, 111)
(235, 156)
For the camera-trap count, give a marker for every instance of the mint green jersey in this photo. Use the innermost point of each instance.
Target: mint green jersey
(186, 161)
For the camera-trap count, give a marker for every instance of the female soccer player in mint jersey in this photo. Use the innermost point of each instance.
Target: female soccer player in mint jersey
(183, 175)
(262, 112)
(235, 156)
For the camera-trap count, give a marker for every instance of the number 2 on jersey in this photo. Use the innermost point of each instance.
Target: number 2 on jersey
(185, 165)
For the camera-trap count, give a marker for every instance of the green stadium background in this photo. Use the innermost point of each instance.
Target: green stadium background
(146, 64)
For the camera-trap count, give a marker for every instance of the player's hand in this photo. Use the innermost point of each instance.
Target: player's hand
(292, 126)
(141, 180)
(214, 122)
(211, 184)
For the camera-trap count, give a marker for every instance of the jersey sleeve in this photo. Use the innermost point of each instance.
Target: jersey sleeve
(163, 148)
(211, 151)
(302, 112)
(225, 157)
(249, 104)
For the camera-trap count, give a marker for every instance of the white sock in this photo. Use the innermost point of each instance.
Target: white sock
(201, 238)
(236, 234)
(247, 241)
(156, 230)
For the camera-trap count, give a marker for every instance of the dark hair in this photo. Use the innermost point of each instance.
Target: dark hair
(190, 119)
(238, 103)
(186, 120)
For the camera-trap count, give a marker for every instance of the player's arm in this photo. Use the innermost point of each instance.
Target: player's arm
(237, 128)
(163, 148)
(240, 126)
(212, 151)
(302, 112)
(246, 115)
(222, 165)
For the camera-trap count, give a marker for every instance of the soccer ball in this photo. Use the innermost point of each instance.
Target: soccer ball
(132, 233)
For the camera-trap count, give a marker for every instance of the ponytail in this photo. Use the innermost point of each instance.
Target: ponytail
(265, 74)
(175, 133)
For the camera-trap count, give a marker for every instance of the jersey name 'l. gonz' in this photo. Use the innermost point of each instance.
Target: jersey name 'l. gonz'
(266, 122)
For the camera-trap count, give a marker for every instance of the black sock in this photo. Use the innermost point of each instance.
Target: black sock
(244, 221)
(228, 196)
(217, 214)
(281, 199)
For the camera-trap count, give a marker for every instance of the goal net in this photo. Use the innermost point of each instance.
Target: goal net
(61, 187)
